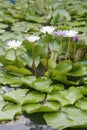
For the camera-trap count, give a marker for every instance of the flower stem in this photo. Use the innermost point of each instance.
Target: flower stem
(33, 63)
(28, 4)
(48, 52)
(16, 58)
(68, 50)
(61, 46)
(74, 52)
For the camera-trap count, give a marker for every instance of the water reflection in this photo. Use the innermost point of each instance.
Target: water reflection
(30, 122)
(26, 124)
(24, 127)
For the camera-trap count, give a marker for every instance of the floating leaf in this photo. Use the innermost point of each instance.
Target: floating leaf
(73, 94)
(49, 106)
(57, 120)
(2, 104)
(11, 80)
(78, 71)
(64, 66)
(58, 76)
(21, 27)
(82, 104)
(31, 108)
(78, 116)
(58, 96)
(57, 87)
(60, 15)
(22, 96)
(9, 111)
(16, 96)
(42, 84)
(70, 116)
(33, 97)
(15, 70)
(28, 80)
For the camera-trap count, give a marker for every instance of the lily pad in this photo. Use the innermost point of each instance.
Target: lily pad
(73, 94)
(64, 66)
(16, 96)
(15, 70)
(49, 106)
(58, 96)
(82, 104)
(31, 108)
(9, 111)
(11, 80)
(42, 84)
(22, 96)
(57, 120)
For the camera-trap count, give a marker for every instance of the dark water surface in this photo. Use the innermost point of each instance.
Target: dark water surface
(31, 122)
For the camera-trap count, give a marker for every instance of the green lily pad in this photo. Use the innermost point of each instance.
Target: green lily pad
(16, 96)
(49, 106)
(64, 66)
(22, 96)
(9, 111)
(15, 70)
(33, 97)
(73, 94)
(2, 104)
(57, 120)
(70, 116)
(42, 84)
(21, 27)
(75, 114)
(78, 71)
(11, 80)
(57, 87)
(28, 80)
(60, 15)
(1, 98)
(2, 25)
(82, 104)
(56, 75)
(31, 108)
(58, 96)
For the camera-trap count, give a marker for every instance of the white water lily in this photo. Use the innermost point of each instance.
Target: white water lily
(32, 38)
(71, 33)
(47, 29)
(14, 44)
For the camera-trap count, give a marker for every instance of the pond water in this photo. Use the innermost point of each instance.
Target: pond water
(30, 122)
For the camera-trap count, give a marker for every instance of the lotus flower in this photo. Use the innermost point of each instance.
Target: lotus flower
(14, 44)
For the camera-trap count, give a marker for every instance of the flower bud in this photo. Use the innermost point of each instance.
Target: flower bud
(75, 38)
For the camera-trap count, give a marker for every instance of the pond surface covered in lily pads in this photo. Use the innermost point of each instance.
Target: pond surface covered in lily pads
(43, 64)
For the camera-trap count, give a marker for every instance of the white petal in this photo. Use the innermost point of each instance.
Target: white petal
(47, 29)
(32, 38)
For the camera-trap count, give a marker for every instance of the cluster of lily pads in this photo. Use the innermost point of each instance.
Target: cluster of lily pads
(44, 71)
